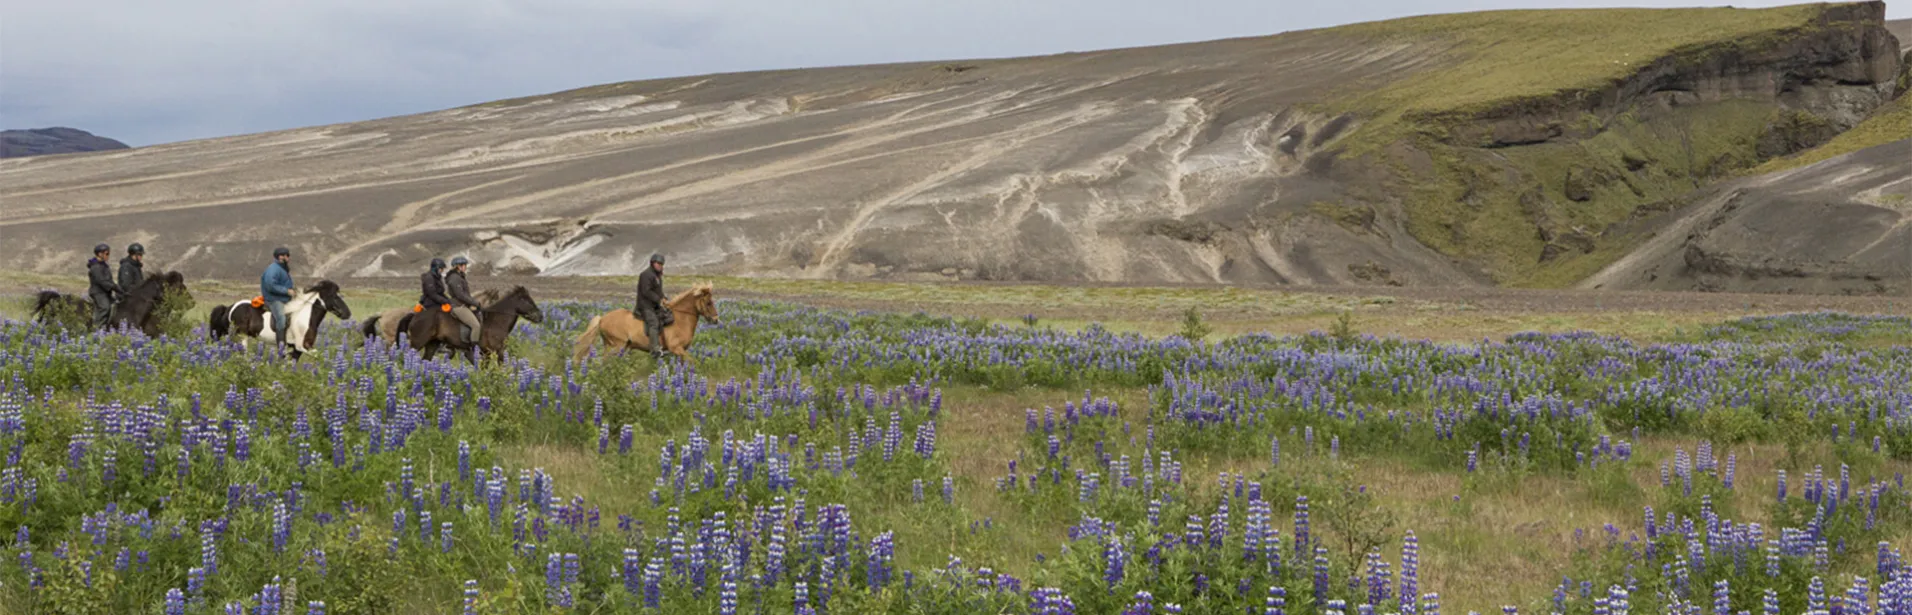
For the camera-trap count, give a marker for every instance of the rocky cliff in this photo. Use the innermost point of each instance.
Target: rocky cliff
(1484, 148)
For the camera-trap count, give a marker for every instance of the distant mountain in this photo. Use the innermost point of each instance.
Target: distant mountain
(56, 140)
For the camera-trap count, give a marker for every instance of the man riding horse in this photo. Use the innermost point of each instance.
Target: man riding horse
(101, 289)
(275, 285)
(432, 297)
(132, 269)
(464, 308)
(650, 304)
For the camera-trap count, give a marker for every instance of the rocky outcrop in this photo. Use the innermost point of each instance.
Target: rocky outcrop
(1842, 226)
(56, 140)
(1837, 70)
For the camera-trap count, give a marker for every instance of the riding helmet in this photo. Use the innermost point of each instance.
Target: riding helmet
(657, 257)
(136, 249)
(459, 260)
(102, 248)
(281, 251)
(438, 263)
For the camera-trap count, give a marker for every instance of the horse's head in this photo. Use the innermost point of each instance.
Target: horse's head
(174, 282)
(526, 306)
(705, 302)
(328, 292)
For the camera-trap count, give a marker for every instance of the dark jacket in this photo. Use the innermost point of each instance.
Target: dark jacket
(650, 290)
(459, 290)
(434, 288)
(131, 273)
(276, 283)
(99, 278)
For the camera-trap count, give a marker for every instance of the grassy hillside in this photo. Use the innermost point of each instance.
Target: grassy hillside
(1533, 210)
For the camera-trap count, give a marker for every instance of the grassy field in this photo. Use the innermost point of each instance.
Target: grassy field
(1075, 456)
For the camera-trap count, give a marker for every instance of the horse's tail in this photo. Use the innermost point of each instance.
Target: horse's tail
(219, 322)
(44, 301)
(370, 328)
(590, 335)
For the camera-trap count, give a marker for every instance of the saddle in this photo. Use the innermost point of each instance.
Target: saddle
(666, 317)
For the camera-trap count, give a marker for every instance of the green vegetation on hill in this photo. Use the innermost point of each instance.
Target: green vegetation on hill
(1500, 58)
(1536, 208)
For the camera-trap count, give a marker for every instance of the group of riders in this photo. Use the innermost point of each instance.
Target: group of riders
(103, 289)
(441, 289)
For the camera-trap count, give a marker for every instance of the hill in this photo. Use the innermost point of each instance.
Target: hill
(1506, 147)
(56, 140)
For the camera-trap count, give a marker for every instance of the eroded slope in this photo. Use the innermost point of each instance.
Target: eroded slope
(1407, 152)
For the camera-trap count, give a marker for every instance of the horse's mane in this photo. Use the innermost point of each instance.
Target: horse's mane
(322, 286)
(702, 286)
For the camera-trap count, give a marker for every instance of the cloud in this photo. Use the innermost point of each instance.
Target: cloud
(149, 72)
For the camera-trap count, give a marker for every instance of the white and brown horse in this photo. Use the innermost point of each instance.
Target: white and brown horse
(304, 313)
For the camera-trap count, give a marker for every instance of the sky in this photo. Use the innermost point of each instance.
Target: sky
(147, 72)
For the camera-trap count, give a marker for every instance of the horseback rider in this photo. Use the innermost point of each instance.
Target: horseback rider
(432, 284)
(275, 286)
(464, 308)
(100, 287)
(132, 269)
(650, 303)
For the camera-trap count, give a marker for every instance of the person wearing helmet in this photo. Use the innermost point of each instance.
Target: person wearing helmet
(464, 308)
(132, 268)
(100, 287)
(650, 303)
(432, 285)
(275, 286)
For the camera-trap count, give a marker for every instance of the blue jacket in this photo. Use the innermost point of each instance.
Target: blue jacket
(276, 283)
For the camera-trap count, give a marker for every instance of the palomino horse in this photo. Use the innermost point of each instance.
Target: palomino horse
(139, 309)
(429, 330)
(303, 315)
(623, 330)
(386, 325)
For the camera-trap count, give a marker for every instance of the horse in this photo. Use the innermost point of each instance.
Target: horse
(624, 330)
(386, 325)
(304, 313)
(138, 309)
(429, 330)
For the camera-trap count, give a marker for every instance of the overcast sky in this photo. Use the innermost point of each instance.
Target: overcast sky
(154, 71)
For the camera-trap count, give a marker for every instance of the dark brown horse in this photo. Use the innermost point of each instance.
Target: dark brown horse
(139, 309)
(432, 329)
(304, 313)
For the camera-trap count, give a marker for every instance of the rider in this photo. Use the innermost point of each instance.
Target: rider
(100, 287)
(275, 285)
(433, 296)
(650, 303)
(132, 269)
(464, 307)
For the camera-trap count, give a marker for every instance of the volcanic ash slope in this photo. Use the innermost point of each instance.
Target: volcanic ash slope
(1384, 153)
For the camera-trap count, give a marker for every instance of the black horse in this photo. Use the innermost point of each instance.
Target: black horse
(430, 330)
(138, 309)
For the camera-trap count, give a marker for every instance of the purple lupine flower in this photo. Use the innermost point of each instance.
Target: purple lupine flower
(1410, 573)
(175, 602)
(471, 595)
(1114, 561)
(446, 538)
